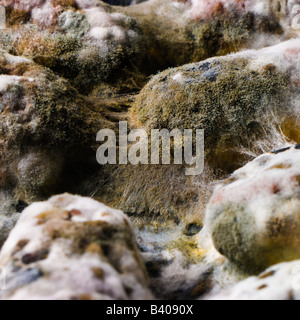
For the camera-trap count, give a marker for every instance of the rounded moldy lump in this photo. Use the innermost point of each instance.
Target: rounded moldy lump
(84, 41)
(72, 248)
(237, 99)
(280, 282)
(178, 33)
(254, 215)
(47, 134)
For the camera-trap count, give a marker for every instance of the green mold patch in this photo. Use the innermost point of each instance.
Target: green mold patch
(189, 249)
(233, 104)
